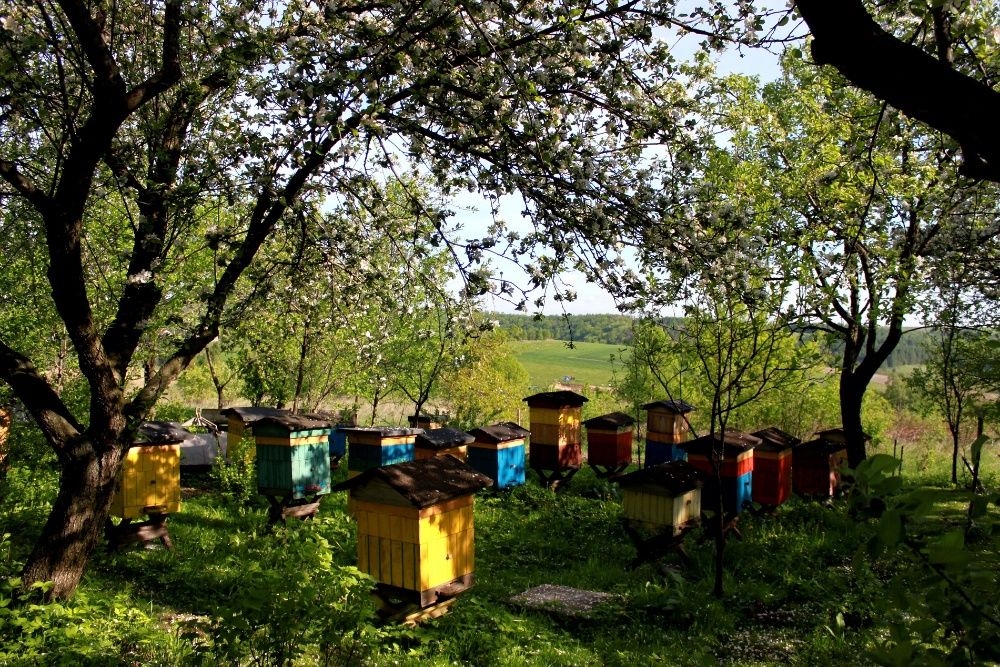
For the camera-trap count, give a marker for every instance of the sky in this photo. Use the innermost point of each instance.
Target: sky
(473, 212)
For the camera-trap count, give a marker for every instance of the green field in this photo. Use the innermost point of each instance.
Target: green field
(549, 361)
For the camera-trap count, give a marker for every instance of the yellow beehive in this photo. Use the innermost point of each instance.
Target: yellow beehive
(665, 421)
(150, 479)
(665, 496)
(553, 426)
(415, 526)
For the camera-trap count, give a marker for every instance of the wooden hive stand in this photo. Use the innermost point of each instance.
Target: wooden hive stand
(609, 443)
(733, 454)
(293, 465)
(772, 467)
(375, 446)
(667, 429)
(660, 505)
(149, 485)
(416, 536)
(498, 453)
(442, 442)
(555, 452)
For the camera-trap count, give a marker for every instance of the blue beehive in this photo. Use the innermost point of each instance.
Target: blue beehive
(378, 446)
(666, 431)
(498, 453)
(735, 468)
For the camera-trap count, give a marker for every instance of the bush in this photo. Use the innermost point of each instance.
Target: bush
(235, 475)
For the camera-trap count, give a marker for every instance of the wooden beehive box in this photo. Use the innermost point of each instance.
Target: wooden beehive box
(427, 422)
(338, 438)
(816, 464)
(735, 467)
(442, 442)
(666, 430)
(416, 536)
(498, 453)
(240, 419)
(555, 430)
(609, 440)
(666, 496)
(293, 456)
(375, 446)
(150, 479)
(772, 466)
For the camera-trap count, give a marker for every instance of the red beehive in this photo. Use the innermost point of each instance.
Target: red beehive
(772, 466)
(816, 465)
(609, 441)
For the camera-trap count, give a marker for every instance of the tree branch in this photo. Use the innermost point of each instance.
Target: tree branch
(921, 86)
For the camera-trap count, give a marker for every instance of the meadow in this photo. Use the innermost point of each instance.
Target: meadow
(549, 361)
(802, 587)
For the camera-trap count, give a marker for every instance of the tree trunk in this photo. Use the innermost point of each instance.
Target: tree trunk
(954, 455)
(852, 393)
(75, 523)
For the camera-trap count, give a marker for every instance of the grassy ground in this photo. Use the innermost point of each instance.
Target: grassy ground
(799, 589)
(548, 361)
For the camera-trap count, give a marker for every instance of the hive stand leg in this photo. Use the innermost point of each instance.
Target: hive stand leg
(608, 472)
(283, 507)
(146, 531)
(658, 546)
(555, 479)
(729, 525)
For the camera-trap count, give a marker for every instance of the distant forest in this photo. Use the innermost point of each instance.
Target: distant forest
(617, 330)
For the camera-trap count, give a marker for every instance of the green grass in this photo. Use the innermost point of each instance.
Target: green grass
(548, 361)
(799, 589)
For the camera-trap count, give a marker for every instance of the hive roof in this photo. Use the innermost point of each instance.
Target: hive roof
(293, 422)
(424, 482)
(612, 420)
(673, 405)
(383, 431)
(250, 414)
(443, 438)
(559, 398)
(677, 477)
(161, 433)
(774, 439)
(500, 432)
(733, 442)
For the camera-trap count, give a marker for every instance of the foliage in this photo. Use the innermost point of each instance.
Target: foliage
(486, 384)
(86, 631)
(945, 591)
(235, 475)
(292, 601)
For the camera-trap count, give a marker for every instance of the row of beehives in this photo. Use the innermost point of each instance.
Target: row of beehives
(411, 493)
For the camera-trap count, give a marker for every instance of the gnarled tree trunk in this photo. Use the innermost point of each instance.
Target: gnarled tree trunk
(76, 521)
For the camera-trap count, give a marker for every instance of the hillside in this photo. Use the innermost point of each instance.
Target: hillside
(616, 330)
(551, 361)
